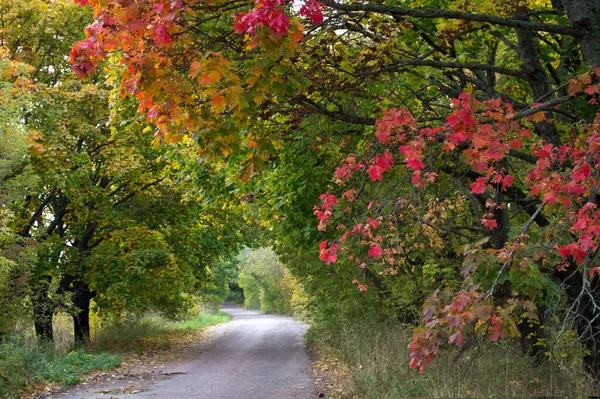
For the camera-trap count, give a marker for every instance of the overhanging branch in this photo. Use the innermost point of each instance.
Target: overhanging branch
(453, 14)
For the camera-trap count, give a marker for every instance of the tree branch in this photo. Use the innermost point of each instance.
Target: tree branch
(452, 14)
(453, 64)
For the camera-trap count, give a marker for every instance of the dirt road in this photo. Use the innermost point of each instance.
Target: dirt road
(252, 356)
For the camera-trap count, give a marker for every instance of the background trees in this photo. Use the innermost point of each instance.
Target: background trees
(90, 208)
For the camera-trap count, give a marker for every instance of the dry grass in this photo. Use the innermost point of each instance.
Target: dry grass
(373, 364)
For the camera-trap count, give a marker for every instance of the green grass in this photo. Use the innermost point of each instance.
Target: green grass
(23, 365)
(374, 365)
(203, 320)
(148, 333)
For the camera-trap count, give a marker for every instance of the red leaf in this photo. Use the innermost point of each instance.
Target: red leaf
(581, 173)
(374, 223)
(496, 329)
(375, 173)
(490, 223)
(507, 181)
(515, 143)
(591, 90)
(457, 338)
(415, 164)
(478, 187)
(374, 251)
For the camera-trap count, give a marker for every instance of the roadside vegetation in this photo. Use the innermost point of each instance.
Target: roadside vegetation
(267, 285)
(29, 366)
(369, 359)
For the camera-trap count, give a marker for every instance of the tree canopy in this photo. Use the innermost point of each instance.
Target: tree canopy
(435, 161)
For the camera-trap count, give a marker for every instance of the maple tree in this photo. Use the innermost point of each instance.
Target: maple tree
(471, 123)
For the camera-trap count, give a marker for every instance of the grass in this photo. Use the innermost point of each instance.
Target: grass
(371, 362)
(204, 320)
(150, 333)
(24, 364)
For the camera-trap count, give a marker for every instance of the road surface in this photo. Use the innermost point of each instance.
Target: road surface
(253, 356)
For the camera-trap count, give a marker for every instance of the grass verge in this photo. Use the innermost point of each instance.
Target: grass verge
(25, 366)
(371, 361)
(151, 333)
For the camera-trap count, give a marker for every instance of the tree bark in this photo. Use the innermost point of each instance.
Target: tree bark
(82, 296)
(584, 16)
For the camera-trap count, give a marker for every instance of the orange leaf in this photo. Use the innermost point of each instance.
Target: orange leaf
(218, 103)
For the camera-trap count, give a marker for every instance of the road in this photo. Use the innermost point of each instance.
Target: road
(253, 356)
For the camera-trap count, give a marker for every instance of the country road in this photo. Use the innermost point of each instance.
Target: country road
(253, 356)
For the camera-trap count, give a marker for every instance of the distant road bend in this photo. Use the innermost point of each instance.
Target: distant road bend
(253, 356)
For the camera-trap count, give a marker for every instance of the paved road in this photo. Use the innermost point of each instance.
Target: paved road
(253, 356)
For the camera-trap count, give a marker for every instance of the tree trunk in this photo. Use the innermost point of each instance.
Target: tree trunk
(584, 15)
(82, 297)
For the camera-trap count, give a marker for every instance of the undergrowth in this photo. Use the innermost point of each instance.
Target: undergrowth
(140, 334)
(24, 364)
(370, 360)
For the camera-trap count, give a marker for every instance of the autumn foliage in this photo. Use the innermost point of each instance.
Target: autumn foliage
(495, 145)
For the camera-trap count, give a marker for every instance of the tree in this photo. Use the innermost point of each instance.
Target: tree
(482, 114)
(16, 255)
(100, 213)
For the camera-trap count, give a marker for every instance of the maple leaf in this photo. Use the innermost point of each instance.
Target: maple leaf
(538, 117)
(496, 329)
(328, 255)
(581, 173)
(507, 181)
(375, 173)
(374, 251)
(457, 338)
(580, 224)
(218, 103)
(385, 162)
(478, 186)
(515, 143)
(312, 10)
(591, 90)
(194, 69)
(373, 223)
(491, 224)
(415, 164)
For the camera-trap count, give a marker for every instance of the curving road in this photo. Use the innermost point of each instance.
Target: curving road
(253, 356)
